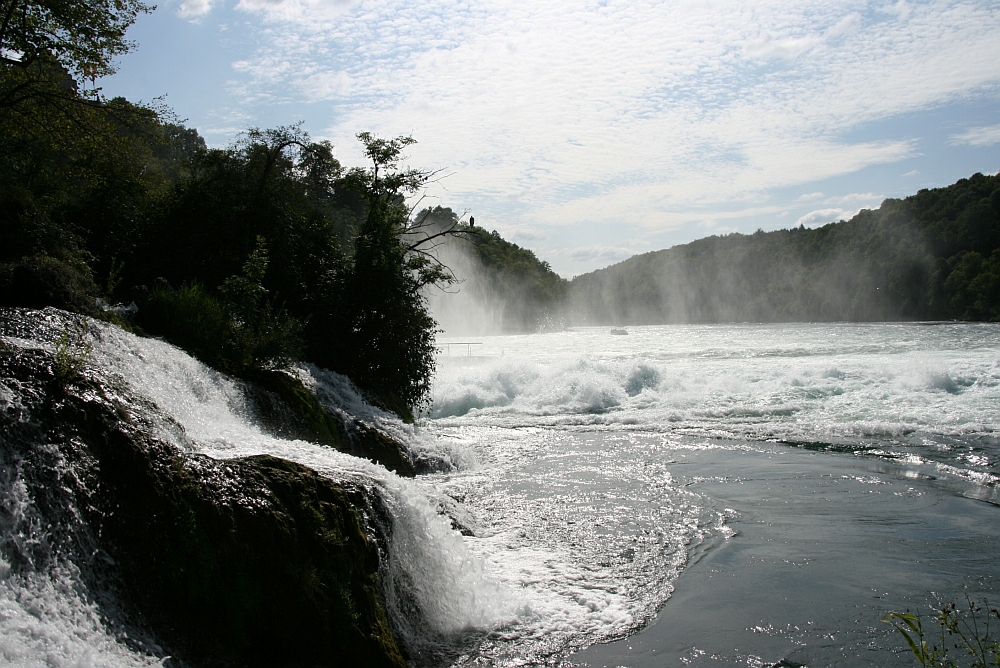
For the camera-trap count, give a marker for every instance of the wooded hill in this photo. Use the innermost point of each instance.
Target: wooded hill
(520, 292)
(932, 256)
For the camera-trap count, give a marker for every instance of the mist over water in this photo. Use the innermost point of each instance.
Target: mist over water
(471, 306)
(791, 275)
(499, 287)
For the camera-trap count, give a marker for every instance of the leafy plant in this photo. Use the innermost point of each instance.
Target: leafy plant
(967, 630)
(386, 334)
(241, 332)
(261, 334)
(73, 351)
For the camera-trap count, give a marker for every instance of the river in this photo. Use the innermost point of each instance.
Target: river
(726, 494)
(681, 495)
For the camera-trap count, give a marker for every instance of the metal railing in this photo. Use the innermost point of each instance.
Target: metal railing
(447, 346)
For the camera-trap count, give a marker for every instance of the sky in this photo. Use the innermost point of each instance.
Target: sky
(595, 130)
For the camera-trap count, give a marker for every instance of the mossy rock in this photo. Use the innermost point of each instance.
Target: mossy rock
(288, 409)
(279, 573)
(248, 562)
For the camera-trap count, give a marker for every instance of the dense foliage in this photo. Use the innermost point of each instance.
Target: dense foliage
(249, 256)
(82, 36)
(932, 256)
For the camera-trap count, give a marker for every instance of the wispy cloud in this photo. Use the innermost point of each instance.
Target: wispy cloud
(296, 9)
(612, 111)
(984, 136)
(824, 216)
(809, 197)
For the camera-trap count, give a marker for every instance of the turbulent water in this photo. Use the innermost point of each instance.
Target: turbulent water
(609, 462)
(585, 474)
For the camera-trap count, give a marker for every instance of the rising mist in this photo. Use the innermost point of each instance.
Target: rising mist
(500, 287)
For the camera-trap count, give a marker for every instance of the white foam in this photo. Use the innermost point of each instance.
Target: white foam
(45, 621)
(790, 382)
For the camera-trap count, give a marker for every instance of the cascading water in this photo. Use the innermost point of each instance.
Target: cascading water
(47, 620)
(573, 478)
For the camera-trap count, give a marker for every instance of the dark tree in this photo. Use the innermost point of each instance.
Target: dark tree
(387, 333)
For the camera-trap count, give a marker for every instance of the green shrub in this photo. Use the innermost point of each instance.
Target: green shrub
(189, 317)
(73, 351)
(969, 630)
(240, 332)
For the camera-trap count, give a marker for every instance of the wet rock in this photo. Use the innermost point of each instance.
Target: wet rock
(288, 409)
(249, 562)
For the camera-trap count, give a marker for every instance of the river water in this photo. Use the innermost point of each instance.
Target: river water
(736, 494)
(684, 495)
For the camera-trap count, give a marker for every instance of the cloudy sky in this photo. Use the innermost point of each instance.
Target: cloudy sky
(593, 130)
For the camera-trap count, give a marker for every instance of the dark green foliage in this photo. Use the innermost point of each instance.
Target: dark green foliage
(974, 286)
(189, 317)
(240, 332)
(386, 333)
(81, 35)
(77, 180)
(273, 183)
(338, 263)
(929, 256)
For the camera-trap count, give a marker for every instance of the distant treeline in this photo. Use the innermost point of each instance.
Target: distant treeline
(932, 256)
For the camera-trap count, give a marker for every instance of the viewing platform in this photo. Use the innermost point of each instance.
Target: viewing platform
(446, 347)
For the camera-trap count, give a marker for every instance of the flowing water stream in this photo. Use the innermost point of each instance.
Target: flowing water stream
(704, 495)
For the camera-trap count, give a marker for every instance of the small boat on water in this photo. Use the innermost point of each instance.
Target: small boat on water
(619, 332)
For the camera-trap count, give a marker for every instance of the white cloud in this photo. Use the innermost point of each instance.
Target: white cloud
(983, 136)
(295, 9)
(657, 115)
(193, 9)
(325, 85)
(902, 9)
(848, 24)
(769, 46)
(824, 216)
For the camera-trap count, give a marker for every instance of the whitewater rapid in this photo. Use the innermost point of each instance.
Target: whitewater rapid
(562, 513)
(910, 389)
(48, 619)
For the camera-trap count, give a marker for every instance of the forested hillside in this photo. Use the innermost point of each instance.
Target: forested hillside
(500, 287)
(932, 256)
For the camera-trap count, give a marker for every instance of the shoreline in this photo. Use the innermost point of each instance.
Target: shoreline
(824, 544)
